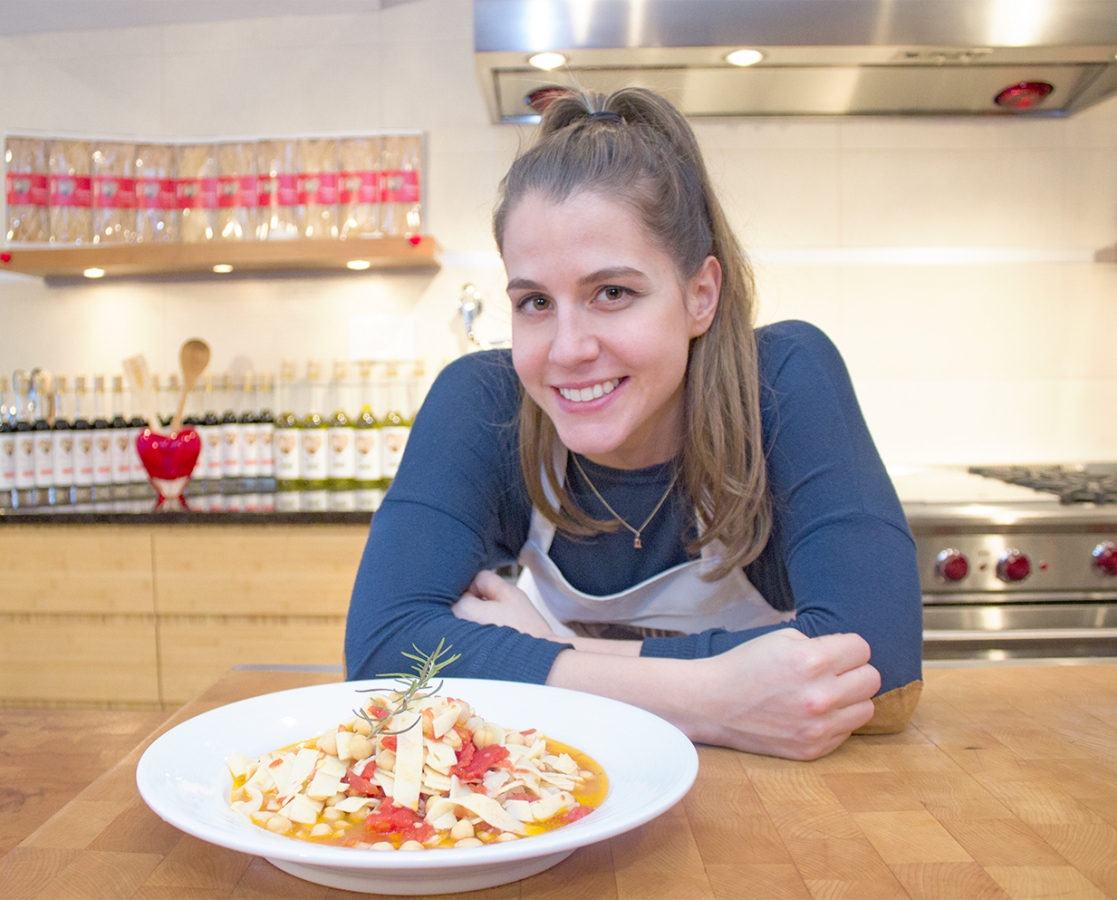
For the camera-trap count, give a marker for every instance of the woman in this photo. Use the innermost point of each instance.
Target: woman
(706, 527)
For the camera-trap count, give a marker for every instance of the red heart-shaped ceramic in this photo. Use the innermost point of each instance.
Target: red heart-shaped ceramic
(169, 456)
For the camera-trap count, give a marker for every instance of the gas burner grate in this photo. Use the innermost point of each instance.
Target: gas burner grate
(1071, 485)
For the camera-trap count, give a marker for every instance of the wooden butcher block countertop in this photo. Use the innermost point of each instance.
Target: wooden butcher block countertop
(1004, 786)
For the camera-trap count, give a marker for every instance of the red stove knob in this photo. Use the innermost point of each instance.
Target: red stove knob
(952, 565)
(1105, 558)
(1013, 566)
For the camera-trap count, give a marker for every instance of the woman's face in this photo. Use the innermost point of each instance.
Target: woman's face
(601, 326)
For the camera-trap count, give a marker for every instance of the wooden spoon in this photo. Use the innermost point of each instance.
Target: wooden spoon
(193, 358)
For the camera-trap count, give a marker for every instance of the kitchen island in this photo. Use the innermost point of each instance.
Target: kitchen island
(1005, 786)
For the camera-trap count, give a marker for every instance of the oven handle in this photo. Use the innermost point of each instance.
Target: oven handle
(1023, 634)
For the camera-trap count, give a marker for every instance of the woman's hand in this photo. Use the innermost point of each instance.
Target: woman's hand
(491, 600)
(788, 695)
(781, 694)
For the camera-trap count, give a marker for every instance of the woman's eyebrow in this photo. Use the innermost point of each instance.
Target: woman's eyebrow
(592, 278)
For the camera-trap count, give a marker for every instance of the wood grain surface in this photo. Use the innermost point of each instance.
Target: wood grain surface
(1005, 786)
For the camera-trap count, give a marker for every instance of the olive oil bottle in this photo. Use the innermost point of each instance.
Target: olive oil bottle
(369, 457)
(395, 427)
(313, 452)
(342, 456)
(288, 471)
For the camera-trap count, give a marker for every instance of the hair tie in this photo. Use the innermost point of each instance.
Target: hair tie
(605, 115)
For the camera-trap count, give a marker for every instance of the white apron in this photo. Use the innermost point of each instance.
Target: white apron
(676, 600)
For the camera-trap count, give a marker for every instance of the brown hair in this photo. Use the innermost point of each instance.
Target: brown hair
(635, 147)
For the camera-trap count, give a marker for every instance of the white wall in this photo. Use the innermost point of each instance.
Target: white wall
(951, 260)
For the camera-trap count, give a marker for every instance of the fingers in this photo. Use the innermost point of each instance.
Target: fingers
(488, 585)
(845, 651)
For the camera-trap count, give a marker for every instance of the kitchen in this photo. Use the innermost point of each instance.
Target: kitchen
(962, 265)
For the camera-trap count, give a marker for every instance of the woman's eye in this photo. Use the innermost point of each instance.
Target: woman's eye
(533, 303)
(613, 293)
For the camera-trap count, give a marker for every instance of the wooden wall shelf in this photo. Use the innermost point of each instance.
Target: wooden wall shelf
(257, 257)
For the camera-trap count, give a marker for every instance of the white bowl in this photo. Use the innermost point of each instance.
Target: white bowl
(182, 776)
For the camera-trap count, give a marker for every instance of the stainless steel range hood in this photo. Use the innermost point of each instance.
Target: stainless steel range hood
(820, 57)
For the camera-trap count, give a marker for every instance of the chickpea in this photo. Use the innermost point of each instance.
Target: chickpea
(332, 814)
(359, 815)
(320, 830)
(513, 737)
(454, 739)
(506, 836)
(411, 845)
(428, 723)
(386, 760)
(462, 829)
(328, 743)
(468, 842)
(360, 748)
(279, 824)
(382, 845)
(362, 727)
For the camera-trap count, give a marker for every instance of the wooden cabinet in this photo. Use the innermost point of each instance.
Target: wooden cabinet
(146, 616)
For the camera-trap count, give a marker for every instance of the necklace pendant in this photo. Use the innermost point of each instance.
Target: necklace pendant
(636, 543)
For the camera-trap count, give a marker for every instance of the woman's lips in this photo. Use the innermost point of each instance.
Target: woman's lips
(591, 392)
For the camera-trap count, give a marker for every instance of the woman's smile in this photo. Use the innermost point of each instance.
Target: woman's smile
(601, 326)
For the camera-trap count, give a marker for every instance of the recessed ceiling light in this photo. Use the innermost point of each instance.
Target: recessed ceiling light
(222, 268)
(744, 57)
(358, 265)
(94, 273)
(547, 61)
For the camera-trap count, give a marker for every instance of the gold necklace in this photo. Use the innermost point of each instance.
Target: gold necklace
(616, 515)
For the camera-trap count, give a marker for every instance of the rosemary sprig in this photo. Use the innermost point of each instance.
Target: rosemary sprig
(412, 687)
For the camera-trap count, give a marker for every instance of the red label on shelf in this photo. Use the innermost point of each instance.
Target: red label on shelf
(359, 187)
(156, 193)
(27, 189)
(71, 190)
(237, 191)
(112, 192)
(400, 186)
(279, 190)
(319, 188)
(197, 193)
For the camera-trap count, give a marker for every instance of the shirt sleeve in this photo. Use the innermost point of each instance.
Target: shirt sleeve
(456, 506)
(840, 554)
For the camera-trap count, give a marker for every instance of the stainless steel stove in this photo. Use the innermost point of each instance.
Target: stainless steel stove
(1016, 563)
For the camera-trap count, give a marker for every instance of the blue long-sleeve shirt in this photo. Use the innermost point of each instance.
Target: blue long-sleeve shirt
(840, 553)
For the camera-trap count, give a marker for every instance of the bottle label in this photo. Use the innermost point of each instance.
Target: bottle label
(156, 193)
(265, 440)
(83, 458)
(44, 459)
(7, 461)
(278, 190)
(211, 449)
(102, 456)
(286, 447)
(242, 191)
(313, 455)
(121, 458)
(27, 189)
(110, 192)
(399, 186)
(395, 442)
(249, 450)
(343, 453)
(197, 193)
(370, 463)
(359, 187)
(71, 190)
(62, 453)
(319, 188)
(230, 451)
(139, 473)
(25, 461)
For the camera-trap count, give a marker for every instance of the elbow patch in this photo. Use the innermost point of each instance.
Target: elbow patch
(893, 709)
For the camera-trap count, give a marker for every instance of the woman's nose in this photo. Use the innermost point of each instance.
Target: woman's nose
(572, 342)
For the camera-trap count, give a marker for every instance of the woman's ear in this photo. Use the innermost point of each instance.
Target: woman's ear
(703, 294)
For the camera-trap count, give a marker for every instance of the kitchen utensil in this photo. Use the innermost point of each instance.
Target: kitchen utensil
(193, 358)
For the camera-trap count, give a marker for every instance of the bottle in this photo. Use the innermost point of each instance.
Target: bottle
(286, 442)
(370, 463)
(83, 444)
(25, 437)
(44, 445)
(395, 426)
(62, 444)
(230, 431)
(249, 436)
(7, 445)
(165, 402)
(102, 441)
(136, 425)
(209, 430)
(313, 464)
(342, 466)
(121, 434)
(265, 426)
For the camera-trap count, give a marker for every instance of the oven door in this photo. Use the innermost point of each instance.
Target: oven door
(1044, 626)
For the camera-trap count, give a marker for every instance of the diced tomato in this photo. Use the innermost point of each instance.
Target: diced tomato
(468, 748)
(369, 769)
(389, 742)
(378, 712)
(481, 761)
(578, 812)
(360, 786)
(523, 795)
(392, 819)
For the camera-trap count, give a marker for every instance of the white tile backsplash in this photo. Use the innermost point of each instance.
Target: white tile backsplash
(983, 362)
